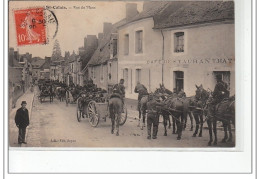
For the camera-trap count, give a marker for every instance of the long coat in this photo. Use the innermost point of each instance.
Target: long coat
(22, 118)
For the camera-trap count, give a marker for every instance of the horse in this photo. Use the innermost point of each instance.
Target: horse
(142, 105)
(175, 108)
(115, 110)
(61, 93)
(224, 112)
(197, 104)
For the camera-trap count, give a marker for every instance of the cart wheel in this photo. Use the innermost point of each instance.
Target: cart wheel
(79, 112)
(123, 117)
(93, 116)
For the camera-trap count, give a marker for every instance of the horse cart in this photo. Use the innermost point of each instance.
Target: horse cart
(95, 110)
(45, 92)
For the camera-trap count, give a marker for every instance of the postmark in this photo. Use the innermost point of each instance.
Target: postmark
(30, 26)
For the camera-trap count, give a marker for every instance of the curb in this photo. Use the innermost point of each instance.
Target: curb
(28, 128)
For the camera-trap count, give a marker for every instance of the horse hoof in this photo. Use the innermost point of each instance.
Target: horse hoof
(200, 135)
(142, 128)
(138, 125)
(209, 143)
(148, 137)
(178, 138)
(169, 127)
(165, 134)
(112, 132)
(173, 132)
(194, 135)
(215, 143)
(223, 141)
(117, 134)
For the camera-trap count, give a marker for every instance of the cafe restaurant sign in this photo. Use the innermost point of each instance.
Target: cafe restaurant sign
(193, 61)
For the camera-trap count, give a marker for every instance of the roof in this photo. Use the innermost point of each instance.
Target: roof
(155, 7)
(102, 53)
(37, 62)
(190, 13)
(46, 64)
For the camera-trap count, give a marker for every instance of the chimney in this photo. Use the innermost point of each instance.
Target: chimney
(100, 37)
(107, 28)
(131, 10)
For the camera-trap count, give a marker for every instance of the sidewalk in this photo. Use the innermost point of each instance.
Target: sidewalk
(13, 130)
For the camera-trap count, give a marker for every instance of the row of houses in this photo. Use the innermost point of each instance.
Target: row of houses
(178, 44)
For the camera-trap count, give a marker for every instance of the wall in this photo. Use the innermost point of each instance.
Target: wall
(207, 49)
(152, 49)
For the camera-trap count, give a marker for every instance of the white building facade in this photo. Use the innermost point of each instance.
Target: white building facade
(179, 57)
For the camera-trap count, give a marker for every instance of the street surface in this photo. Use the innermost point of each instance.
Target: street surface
(55, 125)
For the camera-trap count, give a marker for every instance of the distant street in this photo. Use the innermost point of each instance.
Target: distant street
(55, 125)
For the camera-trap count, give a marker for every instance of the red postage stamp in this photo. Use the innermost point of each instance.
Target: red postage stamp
(30, 26)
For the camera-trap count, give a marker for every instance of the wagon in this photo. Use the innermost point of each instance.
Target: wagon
(96, 111)
(44, 93)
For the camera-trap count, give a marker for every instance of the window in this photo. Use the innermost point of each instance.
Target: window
(125, 76)
(102, 72)
(109, 71)
(126, 44)
(114, 47)
(139, 41)
(137, 76)
(179, 42)
(93, 73)
(179, 80)
(225, 76)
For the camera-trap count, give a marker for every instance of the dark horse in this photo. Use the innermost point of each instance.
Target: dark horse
(177, 109)
(224, 112)
(115, 110)
(197, 105)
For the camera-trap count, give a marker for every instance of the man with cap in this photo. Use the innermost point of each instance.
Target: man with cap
(152, 116)
(22, 121)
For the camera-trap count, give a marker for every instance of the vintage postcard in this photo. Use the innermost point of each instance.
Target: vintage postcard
(118, 74)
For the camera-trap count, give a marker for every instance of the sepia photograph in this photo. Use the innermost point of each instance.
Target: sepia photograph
(119, 74)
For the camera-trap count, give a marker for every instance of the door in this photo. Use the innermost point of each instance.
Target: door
(178, 77)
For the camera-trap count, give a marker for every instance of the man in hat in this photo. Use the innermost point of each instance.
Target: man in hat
(22, 121)
(152, 116)
(221, 90)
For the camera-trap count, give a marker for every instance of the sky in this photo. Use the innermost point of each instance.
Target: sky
(73, 24)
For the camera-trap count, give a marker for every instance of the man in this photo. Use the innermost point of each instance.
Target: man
(220, 91)
(141, 90)
(174, 94)
(119, 90)
(152, 116)
(182, 94)
(22, 121)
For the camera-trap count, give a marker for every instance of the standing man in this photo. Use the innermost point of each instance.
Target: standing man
(152, 116)
(22, 121)
(141, 90)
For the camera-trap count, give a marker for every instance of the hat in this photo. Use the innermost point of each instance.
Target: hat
(23, 102)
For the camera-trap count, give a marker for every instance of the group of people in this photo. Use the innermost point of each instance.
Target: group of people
(220, 92)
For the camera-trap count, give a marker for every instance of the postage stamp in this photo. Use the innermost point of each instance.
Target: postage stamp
(30, 26)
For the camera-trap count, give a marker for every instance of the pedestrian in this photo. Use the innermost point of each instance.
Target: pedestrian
(152, 116)
(22, 121)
